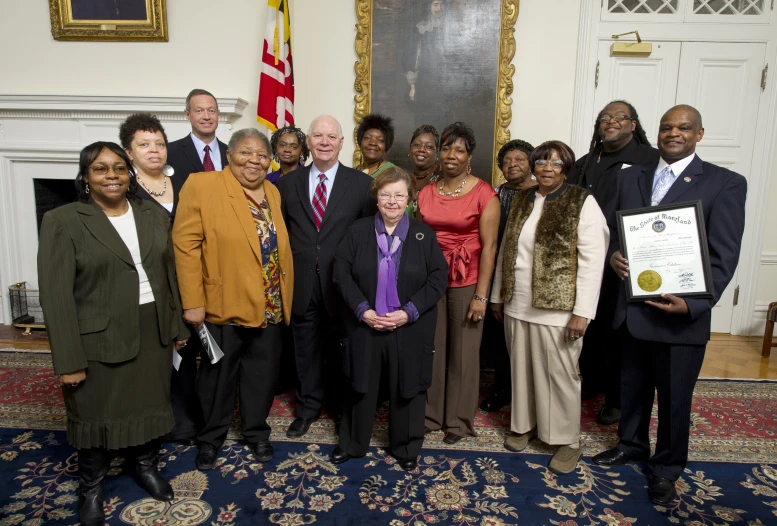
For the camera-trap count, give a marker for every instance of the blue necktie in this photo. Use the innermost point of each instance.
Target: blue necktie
(665, 180)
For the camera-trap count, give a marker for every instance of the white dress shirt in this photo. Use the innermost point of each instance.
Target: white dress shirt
(215, 152)
(313, 180)
(678, 167)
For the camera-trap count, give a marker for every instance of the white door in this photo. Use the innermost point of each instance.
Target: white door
(647, 83)
(723, 81)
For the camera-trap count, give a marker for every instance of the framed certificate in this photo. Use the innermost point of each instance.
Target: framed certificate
(667, 251)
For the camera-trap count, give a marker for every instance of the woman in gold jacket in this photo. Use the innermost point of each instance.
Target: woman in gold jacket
(110, 298)
(236, 276)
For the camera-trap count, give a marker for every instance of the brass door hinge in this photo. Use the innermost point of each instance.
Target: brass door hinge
(763, 77)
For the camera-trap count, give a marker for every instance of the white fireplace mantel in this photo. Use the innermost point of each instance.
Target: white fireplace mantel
(41, 137)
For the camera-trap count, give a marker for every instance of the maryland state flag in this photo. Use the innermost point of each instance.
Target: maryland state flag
(275, 108)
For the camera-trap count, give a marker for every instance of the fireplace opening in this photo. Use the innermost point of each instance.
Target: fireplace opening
(52, 193)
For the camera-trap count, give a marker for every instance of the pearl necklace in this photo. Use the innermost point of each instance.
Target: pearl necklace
(150, 191)
(455, 193)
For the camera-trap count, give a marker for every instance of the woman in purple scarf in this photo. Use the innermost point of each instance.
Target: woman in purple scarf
(391, 274)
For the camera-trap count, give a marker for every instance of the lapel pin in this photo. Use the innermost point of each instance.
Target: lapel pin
(419, 236)
(687, 179)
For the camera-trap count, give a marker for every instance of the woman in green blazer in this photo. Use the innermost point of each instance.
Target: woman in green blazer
(110, 299)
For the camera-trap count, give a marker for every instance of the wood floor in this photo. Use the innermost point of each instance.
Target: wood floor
(727, 356)
(738, 357)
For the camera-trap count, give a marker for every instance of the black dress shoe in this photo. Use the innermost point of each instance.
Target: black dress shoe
(614, 457)
(299, 427)
(339, 455)
(408, 464)
(495, 401)
(263, 451)
(451, 438)
(661, 491)
(206, 458)
(608, 416)
(188, 442)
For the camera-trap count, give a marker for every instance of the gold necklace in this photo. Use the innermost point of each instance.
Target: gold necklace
(454, 193)
(150, 191)
(376, 169)
(111, 213)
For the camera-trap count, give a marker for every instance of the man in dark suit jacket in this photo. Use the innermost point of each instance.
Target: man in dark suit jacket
(188, 155)
(663, 342)
(319, 203)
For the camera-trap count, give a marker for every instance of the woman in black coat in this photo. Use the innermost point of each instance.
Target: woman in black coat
(391, 274)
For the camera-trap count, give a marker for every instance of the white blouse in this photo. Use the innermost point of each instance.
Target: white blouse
(593, 237)
(125, 226)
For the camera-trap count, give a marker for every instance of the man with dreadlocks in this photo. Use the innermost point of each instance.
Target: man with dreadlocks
(618, 142)
(289, 150)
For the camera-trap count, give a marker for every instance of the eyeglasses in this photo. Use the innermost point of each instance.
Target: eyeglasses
(101, 169)
(619, 118)
(421, 146)
(542, 163)
(399, 198)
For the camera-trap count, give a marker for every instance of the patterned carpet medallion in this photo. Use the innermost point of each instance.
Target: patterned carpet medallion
(731, 479)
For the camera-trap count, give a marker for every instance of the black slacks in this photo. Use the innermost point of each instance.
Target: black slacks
(672, 370)
(317, 353)
(183, 392)
(600, 359)
(494, 347)
(406, 415)
(252, 360)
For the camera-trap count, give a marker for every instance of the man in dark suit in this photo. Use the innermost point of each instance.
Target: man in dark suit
(200, 151)
(319, 203)
(663, 342)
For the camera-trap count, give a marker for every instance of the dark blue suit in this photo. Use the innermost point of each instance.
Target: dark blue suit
(664, 352)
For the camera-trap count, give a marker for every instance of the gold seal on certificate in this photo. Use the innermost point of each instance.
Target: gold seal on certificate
(666, 247)
(649, 280)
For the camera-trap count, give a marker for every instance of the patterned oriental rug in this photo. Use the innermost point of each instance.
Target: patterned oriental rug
(731, 479)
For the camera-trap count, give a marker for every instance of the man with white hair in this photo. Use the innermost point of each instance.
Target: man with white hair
(319, 203)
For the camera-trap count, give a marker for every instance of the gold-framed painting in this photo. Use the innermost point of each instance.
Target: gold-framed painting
(436, 62)
(108, 20)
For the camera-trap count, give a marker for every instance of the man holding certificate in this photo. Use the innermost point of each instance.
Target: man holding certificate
(680, 225)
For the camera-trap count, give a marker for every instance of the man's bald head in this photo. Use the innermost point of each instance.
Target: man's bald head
(678, 133)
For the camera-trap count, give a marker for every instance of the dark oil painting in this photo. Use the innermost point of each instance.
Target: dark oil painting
(435, 62)
(125, 10)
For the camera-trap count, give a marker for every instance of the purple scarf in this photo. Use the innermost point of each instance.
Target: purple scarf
(386, 298)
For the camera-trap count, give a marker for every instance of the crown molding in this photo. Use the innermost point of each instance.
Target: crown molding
(106, 107)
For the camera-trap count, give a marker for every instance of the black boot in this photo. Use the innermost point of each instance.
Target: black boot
(93, 465)
(147, 472)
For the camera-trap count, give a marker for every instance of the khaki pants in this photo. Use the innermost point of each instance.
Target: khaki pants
(546, 382)
(452, 399)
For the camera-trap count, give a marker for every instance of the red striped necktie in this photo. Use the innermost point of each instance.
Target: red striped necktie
(207, 163)
(319, 201)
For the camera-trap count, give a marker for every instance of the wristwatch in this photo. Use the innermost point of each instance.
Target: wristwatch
(475, 296)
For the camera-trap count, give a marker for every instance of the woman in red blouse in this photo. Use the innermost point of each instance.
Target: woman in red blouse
(464, 211)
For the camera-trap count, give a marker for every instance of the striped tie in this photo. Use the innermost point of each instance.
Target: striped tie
(319, 201)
